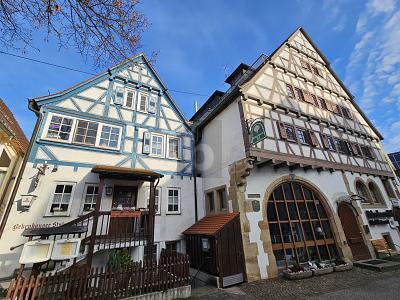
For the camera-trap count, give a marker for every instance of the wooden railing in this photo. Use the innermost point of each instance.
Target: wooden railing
(113, 231)
(83, 283)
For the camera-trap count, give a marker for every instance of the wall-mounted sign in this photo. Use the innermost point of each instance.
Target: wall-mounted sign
(257, 131)
(26, 200)
(256, 205)
(65, 249)
(378, 218)
(36, 251)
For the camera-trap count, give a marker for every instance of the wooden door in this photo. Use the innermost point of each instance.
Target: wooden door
(353, 233)
(123, 227)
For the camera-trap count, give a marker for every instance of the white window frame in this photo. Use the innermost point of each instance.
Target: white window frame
(162, 145)
(168, 212)
(140, 100)
(73, 130)
(47, 127)
(82, 211)
(50, 202)
(101, 125)
(159, 189)
(171, 137)
(133, 99)
(76, 129)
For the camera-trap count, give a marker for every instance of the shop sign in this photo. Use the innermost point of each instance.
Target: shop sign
(378, 217)
(257, 131)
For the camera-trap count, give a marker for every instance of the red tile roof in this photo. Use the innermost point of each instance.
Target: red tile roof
(210, 225)
(8, 120)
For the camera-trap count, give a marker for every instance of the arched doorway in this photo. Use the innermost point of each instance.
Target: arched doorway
(352, 232)
(299, 225)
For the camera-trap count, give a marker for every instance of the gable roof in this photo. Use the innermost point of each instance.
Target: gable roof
(8, 121)
(252, 71)
(211, 225)
(104, 74)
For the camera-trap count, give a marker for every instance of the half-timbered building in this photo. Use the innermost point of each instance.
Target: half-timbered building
(288, 147)
(100, 150)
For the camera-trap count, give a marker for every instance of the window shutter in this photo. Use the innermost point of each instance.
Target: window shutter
(329, 105)
(312, 138)
(357, 147)
(119, 95)
(282, 130)
(324, 140)
(354, 148)
(372, 152)
(307, 97)
(146, 142)
(152, 104)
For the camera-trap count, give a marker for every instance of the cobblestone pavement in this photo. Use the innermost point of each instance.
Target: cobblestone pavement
(355, 284)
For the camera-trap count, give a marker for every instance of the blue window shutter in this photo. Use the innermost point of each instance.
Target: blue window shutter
(146, 142)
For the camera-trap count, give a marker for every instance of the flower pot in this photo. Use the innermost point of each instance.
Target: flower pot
(297, 275)
(344, 267)
(323, 271)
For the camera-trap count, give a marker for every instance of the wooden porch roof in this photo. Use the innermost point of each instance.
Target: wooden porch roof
(125, 173)
(210, 225)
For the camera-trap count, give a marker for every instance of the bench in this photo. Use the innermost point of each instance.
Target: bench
(382, 247)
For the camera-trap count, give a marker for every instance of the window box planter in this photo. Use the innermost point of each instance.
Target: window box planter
(297, 275)
(322, 271)
(344, 267)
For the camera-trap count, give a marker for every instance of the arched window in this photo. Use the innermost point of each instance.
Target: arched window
(375, 193)
(363, 192)
(299, 225)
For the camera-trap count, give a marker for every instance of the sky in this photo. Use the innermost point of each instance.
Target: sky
(199, 43)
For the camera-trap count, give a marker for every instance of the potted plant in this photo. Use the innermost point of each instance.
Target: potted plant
(341, 265)
(322, 268)
(297, 272)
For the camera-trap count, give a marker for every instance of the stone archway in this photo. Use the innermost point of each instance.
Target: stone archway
(313, 246)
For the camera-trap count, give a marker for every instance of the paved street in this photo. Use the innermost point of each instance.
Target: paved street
(355, 284)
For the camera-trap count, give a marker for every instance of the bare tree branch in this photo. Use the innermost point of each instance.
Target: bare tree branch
(106, 31)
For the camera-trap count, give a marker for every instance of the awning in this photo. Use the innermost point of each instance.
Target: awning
(125, 173)
(59, 230)
(211, 225)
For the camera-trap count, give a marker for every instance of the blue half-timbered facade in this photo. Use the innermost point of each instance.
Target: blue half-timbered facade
(123, 117)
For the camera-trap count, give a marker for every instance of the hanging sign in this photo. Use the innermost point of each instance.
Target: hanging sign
(257, 132)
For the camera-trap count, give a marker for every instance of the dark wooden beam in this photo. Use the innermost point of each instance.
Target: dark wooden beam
(280, 164)
(264, 163)
(295, 166)
(320, 169)
(307, 167)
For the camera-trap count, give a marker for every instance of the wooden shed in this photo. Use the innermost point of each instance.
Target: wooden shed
(214, 245)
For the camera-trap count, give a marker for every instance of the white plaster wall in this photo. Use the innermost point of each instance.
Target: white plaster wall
(167, 227)
(221, 145)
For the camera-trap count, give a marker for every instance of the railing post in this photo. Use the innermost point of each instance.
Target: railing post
(94, 224)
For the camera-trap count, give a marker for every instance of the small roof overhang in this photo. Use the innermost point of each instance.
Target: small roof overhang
(211, 225)
(125, 173)
(60, 230)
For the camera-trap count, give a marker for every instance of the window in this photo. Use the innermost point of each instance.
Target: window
(60, 128)
(299, 94)
(367, 151)
(223, 203)
(5, 162)
(299, 225)
(317, 71)
(290, 133)
(61, 200)
(211, 202)
(361, 190)
(375, 193)
(173, 147)
(91, 192)
(331, 144)
(305, 65)
(388, 188)
(157, 199)
(130, 99)
(172, 246)
(346, 112)
(336, 109)
(143, 102)
(86, 132)
(314, 100)
(109, 136)
(157, 145)
(342, 146)
(290, 91)
(301, 134)
(174, 200)
(322, 103)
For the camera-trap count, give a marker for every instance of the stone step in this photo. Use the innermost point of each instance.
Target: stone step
(380, 265)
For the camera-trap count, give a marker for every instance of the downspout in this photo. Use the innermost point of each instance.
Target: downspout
(33, 107)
